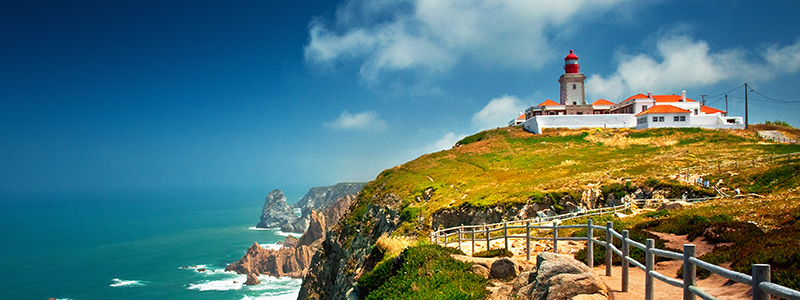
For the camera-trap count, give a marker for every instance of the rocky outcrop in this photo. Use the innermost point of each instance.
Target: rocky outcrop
(276, 212)
(319, 198)
(559, 277)
(348, 245)
(292, 260)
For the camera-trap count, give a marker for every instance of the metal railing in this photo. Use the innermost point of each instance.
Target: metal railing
(759, 279)
(777, 139)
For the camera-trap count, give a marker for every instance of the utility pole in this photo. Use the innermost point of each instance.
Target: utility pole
(704, 99)
(726, 105)
(745, 105)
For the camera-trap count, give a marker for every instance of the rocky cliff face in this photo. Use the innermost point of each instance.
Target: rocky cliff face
(318, 198)
(347, 246)
(292, 260)
(276, 211)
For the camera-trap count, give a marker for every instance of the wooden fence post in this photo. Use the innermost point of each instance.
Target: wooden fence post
(761, 273)
(625, 265)
(609, 242)
(505, 233)
(649, 260)
(555, 237)
(488, 243)
(460, 229)
(589, 244)
(528, 240)
(689, 271)
(472, 236)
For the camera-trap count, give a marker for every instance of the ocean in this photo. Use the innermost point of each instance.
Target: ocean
(149, 246)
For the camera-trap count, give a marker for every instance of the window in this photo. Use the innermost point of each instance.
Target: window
(574, 86)
(683, 118)
(574, 103)
(580, 112)
(644, 107)
(658, 119)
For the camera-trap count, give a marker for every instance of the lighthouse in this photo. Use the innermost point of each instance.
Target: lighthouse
(572, 91)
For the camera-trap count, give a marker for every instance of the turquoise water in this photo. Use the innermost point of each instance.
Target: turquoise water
(132, 247)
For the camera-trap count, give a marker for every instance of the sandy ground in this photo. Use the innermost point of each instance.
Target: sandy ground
(714, 285)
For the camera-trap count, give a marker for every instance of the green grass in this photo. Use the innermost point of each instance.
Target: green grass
(494, 253)
(423, 272)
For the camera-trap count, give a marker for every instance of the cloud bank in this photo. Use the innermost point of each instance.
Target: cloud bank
(681, 62)
(365, 121)
(432, 36)
(498, 112)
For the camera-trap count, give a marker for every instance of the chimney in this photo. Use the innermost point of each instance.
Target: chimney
(683, 96)
(649, 94)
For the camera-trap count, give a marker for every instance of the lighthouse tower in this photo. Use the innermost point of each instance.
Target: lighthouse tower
(572, 92)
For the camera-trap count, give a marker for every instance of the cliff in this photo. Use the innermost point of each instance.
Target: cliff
(276, 211)
(509, 174)
(318, 198)
(294, 258)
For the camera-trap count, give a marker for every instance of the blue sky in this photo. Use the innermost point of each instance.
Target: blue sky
(106, 96)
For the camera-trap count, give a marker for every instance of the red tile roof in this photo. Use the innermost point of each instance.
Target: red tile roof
(603, 102)
(661, 98)
(663, 109)
(548, 102)
(710, 110)
(521, 117)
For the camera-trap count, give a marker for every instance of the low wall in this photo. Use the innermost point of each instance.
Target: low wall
(538, 123)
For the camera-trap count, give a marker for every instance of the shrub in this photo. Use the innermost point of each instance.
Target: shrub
(423, 272)
(494, 253)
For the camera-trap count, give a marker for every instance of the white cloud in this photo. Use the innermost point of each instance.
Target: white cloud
(681, 62)
(365, 121)
(434, 35)
(498, 112)
(446, 142)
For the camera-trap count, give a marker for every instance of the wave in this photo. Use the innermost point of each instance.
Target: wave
(116, 282)
(227, 284)
(256, 228)
(274, 288)
(271, 246)
(275, 296)
(277, 231)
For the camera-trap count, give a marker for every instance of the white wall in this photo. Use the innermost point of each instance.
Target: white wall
(716, 122)
(538, 123)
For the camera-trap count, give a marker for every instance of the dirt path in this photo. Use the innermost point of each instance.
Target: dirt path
(715, 285)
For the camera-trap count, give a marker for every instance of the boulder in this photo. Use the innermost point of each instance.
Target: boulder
(560, 277)
(252, 279)
(276, 212)
(287, 228)
(480, 270)
(503, 269)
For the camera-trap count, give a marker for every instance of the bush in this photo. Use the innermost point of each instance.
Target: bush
(423, 272)
(494, 253)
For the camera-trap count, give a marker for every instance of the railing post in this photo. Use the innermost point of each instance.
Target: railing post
(555, 237)
(649, 260)
(528, 240)
(472, 237)
(589, 244)
(488, 242)
(505, 233)
(625, 265)
(761, 273)
(689, 271)
(460, 229)
(609, 242)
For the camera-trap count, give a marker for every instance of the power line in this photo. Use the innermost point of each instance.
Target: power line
(773, 99)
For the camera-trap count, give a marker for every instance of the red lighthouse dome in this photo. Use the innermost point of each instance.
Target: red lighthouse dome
(571, 63)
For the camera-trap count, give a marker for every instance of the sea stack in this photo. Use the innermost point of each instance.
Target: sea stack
(276, 212)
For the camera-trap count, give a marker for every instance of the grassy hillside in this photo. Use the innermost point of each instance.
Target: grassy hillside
(507, 167)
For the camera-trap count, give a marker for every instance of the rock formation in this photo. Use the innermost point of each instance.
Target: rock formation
(276, 211)
(559, 277)
(292, 260)
(319, 198)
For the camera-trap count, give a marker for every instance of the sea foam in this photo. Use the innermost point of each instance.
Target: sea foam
(116, 282)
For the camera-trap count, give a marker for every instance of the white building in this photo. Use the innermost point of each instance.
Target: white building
(638, 111)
